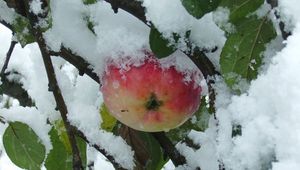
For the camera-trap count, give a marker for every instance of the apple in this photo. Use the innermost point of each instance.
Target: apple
(149, 97)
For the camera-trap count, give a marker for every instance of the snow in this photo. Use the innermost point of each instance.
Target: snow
(221, 18)
(174, 20)
(36, 7)
(7, 14)
(115, 34)
(267, 110)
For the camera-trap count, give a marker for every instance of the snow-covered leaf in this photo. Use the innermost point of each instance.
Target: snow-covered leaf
(242, 52)
(88, 2)
(159, 45)
(59, 157)
(147, 150)
(199, 8)
(239, 9)
(156, 160)
(23, 146)
(21, 27)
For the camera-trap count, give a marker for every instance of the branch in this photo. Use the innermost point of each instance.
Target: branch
(8, 55)
(208, 70)
(19, 6)
(102, 151)
(12, 88)
(169, 148)
(274, 4)
(15, 90)
(53, 86)
(6, 24)
(134, 8)
(78, 62)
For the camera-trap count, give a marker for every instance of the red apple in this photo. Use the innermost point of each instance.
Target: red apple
(149, 97)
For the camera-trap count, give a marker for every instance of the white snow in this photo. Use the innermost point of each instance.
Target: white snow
(7, 14)
(36, 7)
(173, 20)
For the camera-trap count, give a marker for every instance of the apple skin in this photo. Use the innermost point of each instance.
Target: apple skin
(148, 97)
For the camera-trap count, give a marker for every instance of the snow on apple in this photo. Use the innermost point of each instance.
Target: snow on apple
(150, 96)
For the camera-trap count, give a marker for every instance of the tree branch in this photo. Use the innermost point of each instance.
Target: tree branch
(12, 88)
(8, 55)
(15, 90)
(78, 62)
(53, 86)
(102, 151)
(208, 70)
(169, 148)
(134, 8)
(6, 24)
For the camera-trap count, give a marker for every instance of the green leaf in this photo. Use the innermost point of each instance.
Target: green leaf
(82, 149)
(159, 45)
(242, 53)
(23, 146)
(63, 136)
(21, 27)
(108, 121)
(198, 122)
(147, 151)
(59, 157)
(88, 2)
(239, 9)
(156, 157)
(198, 8)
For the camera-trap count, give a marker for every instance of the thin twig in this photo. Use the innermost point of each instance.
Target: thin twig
(2, 120)
(14, 89)
(134, 8)
(9, 26)
(8, 55)
(53, 86)
(208, 70)
(102, 151)
(78, 62)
